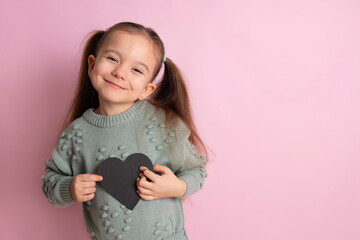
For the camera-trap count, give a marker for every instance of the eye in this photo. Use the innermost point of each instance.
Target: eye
(111, 59)
(137, 70)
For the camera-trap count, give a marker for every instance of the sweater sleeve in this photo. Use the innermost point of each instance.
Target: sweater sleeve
(58, 173)
(192, 167)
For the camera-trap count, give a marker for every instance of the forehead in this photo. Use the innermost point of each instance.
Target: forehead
(133, 45)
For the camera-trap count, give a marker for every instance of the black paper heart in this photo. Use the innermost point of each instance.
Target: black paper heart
(119, 177)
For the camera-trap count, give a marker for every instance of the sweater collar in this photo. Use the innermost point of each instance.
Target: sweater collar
(113, 120)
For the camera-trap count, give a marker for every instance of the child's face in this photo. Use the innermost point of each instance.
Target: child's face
(123, 68)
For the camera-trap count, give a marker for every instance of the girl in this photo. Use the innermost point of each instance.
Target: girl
(109, 117)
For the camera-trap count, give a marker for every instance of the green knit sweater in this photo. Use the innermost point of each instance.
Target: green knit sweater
(92, 138)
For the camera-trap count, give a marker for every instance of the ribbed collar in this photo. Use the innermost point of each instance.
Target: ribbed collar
(113, 120)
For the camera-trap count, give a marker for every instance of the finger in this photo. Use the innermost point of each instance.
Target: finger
(142, 182)
(149, 174)
(88, 184)
(161, 169)
(91, 177)
(144, 191)
(137, 182)
(141, 175)
(88, 197)
(83, 177)
(86, 191)
(146, 197)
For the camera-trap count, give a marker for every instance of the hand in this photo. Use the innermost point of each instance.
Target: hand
(166, 185)
(82, 188)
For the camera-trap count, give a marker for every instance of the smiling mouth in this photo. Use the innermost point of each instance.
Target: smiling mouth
(114, 85)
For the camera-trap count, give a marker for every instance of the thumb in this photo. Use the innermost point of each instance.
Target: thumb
(161, 169)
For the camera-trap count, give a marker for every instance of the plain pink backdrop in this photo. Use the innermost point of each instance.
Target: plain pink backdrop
(275, 87)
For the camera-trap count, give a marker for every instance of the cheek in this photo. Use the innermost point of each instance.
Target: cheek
(96, 73)
(99, 67)
(141, 86)
(94, 83)
(94, 78)
(96, 70)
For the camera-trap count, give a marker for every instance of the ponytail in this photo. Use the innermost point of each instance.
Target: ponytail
(85, 96)
(171, 90)
(171, 94)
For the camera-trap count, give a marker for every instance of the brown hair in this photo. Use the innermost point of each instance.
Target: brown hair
(171, 93)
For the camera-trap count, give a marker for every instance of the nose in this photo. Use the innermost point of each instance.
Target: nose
(119, 72)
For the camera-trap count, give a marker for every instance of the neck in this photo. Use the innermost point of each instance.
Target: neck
(112, 109)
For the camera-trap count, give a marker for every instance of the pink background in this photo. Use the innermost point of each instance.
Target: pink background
(275, 90)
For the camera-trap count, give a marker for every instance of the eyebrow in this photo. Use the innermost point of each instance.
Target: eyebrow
(141, 63)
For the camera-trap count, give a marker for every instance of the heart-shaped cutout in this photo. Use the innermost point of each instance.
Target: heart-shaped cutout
(119, 177)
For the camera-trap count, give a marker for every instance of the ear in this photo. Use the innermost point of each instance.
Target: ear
(91, 64)
(147, 91)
